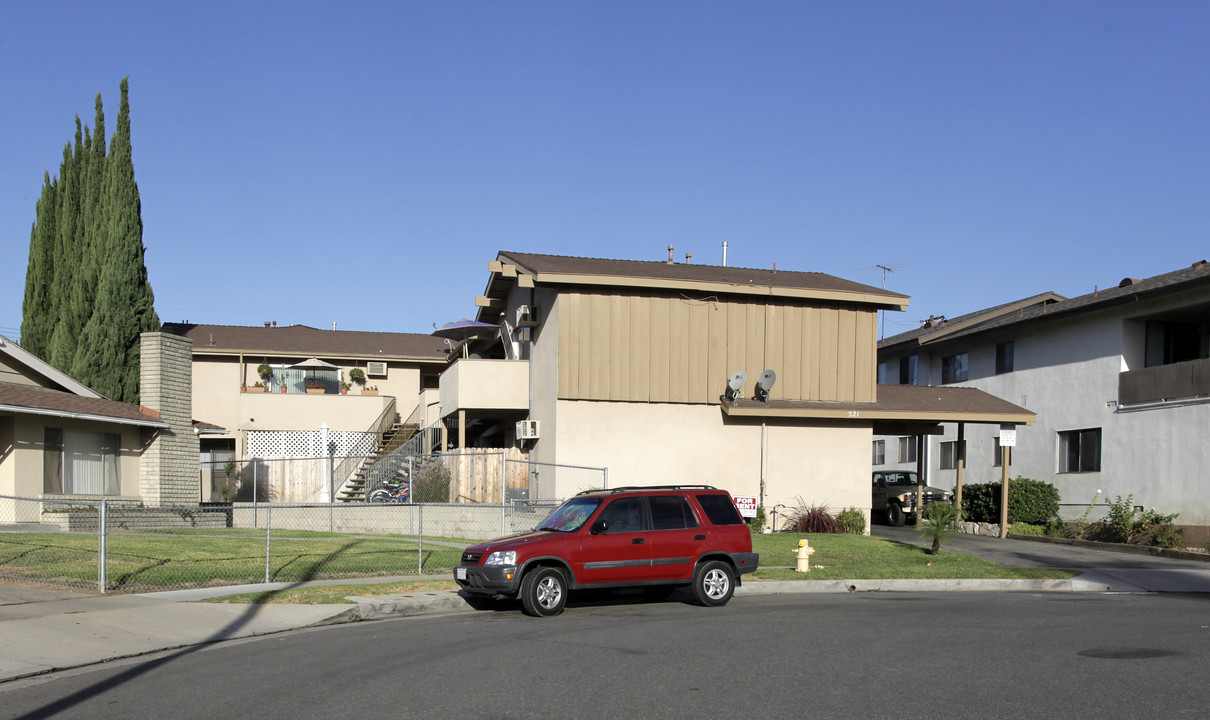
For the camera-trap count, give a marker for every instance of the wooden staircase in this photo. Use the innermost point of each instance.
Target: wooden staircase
(354, 489)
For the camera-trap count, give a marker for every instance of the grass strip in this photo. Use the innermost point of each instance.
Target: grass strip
(858, 557)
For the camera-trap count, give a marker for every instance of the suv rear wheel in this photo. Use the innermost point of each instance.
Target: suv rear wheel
(713, 583)
(543, 592)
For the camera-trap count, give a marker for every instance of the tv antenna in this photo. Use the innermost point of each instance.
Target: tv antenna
(882, 313)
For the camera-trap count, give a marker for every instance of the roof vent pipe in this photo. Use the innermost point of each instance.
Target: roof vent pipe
(688, 258)
(670, 249)
(724, 253)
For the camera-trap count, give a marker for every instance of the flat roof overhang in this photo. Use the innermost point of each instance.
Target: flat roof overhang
(909, 407)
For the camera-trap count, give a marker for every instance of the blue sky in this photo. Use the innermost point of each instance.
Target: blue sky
(360, 163)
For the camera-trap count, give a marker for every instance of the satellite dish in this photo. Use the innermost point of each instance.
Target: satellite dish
(735, 386)
(764, 385)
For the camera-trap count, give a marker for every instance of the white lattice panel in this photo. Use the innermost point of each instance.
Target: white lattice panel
(308, 443)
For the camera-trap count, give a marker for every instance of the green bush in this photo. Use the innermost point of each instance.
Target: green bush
(757, 524)
(852, 521)
(1126, 524)
(1029, 501)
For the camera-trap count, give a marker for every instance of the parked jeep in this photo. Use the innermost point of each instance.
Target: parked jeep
(656, 538)
(896, 493)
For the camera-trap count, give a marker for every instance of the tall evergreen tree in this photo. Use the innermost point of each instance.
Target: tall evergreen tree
(87, 296)
(70, 253)
(109, 345)
(38, 314)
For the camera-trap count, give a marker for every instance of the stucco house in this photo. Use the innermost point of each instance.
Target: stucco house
(1119, 379)
(625, 364)
(61, 440)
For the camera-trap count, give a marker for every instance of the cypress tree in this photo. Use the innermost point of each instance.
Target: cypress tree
(109, 344)
(37, 312)
(87, 295)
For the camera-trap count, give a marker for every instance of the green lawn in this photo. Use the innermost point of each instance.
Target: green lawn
(176, 559)
(856, 557)
(150, 561)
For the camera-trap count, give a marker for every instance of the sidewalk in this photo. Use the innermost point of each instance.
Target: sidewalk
(44, 631)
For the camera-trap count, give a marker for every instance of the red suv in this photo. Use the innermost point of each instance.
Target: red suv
(657, 538)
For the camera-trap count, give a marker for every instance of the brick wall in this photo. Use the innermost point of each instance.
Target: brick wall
(169, 472)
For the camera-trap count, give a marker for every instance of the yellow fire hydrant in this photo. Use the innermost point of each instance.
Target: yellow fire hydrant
(805, 552)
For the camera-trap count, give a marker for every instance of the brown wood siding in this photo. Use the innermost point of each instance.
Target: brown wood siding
(625, 347)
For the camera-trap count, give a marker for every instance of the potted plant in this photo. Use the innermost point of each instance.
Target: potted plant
(316, 387)
(358, 376)
(344, 387)
(281, 382)
(370, 390)
(265, 372)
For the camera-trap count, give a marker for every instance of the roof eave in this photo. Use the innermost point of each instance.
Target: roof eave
(24, 410)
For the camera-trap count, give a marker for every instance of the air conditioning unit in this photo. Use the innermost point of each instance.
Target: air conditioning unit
(527, 430)
(376, 369)
(527, 316)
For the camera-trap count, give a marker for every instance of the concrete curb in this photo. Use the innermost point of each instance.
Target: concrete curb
(1118, 547)
(381, 607)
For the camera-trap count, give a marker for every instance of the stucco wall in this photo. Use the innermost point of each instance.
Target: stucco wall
(668, 444)
(1067, 373)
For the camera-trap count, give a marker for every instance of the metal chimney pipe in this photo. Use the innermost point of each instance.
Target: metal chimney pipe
(688, 258)
(670, 249)
(724, 253)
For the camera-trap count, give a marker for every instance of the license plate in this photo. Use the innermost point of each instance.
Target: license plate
(460, 573)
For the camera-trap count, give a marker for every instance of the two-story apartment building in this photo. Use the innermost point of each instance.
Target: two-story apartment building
(627, 366)
(307, 394)
(1119, 378)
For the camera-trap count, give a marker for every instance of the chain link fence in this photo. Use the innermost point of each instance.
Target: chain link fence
(120, 546)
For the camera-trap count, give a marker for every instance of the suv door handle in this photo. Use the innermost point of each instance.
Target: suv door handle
(699, 537)
(637, 541)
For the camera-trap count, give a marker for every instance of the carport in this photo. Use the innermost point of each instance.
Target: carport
(908, 410)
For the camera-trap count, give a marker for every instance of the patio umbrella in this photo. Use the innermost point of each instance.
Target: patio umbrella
(315, 363)
(463, 329)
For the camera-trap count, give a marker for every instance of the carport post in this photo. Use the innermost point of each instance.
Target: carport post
(1006, 457)
(961, 465)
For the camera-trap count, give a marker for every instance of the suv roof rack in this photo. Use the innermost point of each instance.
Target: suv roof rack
(640, 488)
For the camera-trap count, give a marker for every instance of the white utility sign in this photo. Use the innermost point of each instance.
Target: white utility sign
(1008, 436)
(746, 505)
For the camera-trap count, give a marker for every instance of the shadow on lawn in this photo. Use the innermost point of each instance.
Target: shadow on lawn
(144, 668)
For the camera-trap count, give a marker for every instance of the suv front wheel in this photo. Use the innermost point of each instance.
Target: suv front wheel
(543, 592)
(713, 583)
(894, 515)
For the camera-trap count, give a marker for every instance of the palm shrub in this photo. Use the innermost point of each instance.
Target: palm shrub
(938, 520)
(1029, 501)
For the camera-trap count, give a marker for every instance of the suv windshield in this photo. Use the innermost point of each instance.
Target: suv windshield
(571, 515)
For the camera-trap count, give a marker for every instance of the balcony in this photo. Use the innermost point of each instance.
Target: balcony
(491, 385)
(1177, 381)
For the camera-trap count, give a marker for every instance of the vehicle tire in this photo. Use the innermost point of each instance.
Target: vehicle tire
(894, 515)
(713, 583)
(543, 592)
(379, 495)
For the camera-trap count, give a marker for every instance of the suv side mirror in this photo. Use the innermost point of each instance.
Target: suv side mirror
(598, 527)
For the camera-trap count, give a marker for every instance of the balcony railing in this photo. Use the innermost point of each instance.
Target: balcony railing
(1178, 381)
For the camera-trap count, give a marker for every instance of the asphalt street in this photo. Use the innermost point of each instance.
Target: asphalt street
(917, 655)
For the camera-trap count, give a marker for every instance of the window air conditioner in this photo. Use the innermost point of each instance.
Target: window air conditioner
(527, 430)
(376, 369)
(527, 316)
